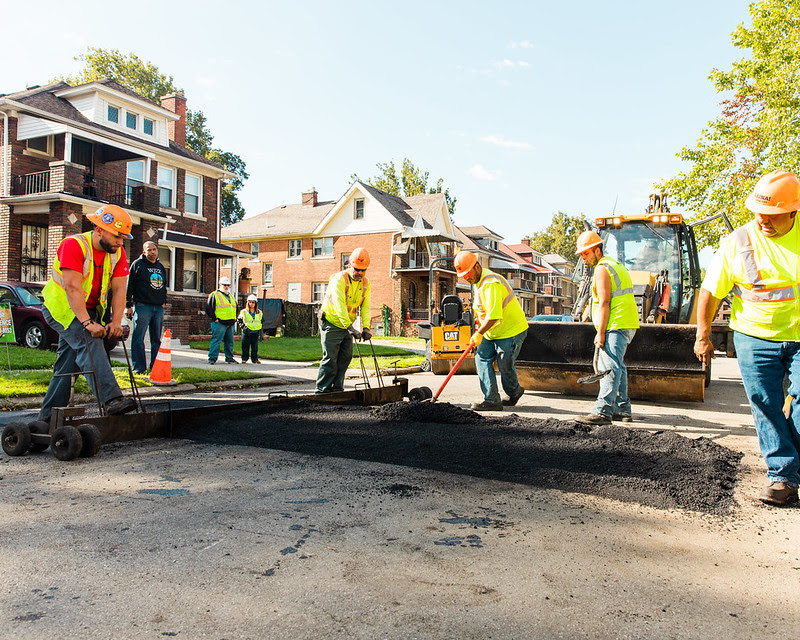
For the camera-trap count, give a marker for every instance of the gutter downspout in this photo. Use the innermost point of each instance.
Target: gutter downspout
(6, 168)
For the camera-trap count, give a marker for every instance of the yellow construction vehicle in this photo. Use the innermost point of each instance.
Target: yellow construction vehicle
(448, 331)
(659, 250)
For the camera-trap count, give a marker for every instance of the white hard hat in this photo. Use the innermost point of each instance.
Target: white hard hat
(252, 298)
(224, 280)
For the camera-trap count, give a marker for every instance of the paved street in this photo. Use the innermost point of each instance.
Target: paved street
(175, 539)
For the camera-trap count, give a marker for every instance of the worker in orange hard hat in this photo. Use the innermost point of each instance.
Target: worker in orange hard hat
(759, 263)
(344, 316)
(87, 268)
(616, 318)
(501, 331)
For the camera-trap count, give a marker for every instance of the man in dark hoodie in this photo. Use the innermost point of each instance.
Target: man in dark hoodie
(147, 293)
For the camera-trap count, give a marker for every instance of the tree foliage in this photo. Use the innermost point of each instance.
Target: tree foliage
(758, 129)
(145, 79)
(413, 181)
(560, 236)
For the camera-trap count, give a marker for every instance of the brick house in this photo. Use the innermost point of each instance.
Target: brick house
(295, 248)
(67, 150)
(554, 286)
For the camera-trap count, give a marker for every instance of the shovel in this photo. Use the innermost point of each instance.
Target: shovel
(597, 375)
(450, 375)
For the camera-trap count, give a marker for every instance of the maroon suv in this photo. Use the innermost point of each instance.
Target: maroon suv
(26, 301)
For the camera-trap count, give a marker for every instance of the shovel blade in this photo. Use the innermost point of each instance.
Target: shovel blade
(594, 377)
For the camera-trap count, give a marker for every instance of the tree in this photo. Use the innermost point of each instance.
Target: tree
(145, 79)
(412, 182)
(758, 129)
(560, 236)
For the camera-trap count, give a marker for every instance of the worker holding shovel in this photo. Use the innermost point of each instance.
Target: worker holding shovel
(616, 318)
(499, 337)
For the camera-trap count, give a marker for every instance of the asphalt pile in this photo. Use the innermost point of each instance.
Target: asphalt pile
(662, 469)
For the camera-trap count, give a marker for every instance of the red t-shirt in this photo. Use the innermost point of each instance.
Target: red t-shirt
(70, 256)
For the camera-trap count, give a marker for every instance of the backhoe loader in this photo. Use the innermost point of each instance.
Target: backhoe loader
(659, 250)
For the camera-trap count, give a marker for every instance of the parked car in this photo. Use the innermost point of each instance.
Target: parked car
(548, 317)
(26, 302)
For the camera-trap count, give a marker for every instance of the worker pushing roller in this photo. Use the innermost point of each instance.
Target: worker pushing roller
(759, 262)
(346, 305)
(501, 331)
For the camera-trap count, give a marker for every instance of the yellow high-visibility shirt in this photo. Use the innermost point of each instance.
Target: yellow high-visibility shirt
(346, 299)
(495, 299)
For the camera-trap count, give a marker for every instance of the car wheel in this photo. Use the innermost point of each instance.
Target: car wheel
(35, 336)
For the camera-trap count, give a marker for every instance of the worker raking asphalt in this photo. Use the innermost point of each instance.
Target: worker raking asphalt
(662, 469)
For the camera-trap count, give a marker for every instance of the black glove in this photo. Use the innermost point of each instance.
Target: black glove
(366, 334)
(354, 332)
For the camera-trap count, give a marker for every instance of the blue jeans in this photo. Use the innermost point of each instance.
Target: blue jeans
(337, 352)
(612, 399)
(764, 364)
(146, 316)
(505, 352)
(77, 351)
(221, 334)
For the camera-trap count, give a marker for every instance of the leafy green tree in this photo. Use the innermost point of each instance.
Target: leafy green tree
(758, 129)
(560, 236)
(412, 182)
(145, 79)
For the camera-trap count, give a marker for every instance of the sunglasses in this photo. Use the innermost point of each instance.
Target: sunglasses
(359, 270)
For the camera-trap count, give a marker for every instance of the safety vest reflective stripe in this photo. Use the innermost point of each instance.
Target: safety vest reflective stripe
(623, 313)
(252, 322)
(618, 290)
(225, 307)
(497, 278)
(759, 291)
(352, 307)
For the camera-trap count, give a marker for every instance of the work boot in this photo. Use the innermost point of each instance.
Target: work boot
(256, 361)
(779, 494)
(486, 406)
(244, 360)
(121, 404)
(622, 417)
(231, 362)
(594, 418)
(511, 401)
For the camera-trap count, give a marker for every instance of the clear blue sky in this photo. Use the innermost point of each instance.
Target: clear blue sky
(523, 108)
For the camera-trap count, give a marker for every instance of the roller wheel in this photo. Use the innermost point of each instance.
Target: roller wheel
(39, 426)
(427, 391)
(425, 365)
(416, 394)
(66, 443)
(16, 439)
(91, 440)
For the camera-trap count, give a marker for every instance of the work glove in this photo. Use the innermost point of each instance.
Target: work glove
(366, 335)
(475, 340)
(354, 332)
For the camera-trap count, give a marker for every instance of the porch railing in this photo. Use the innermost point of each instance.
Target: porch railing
(38, 182)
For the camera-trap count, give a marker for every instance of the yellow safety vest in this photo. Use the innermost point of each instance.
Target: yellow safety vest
(764, 275)
(54, 292)
(344, 302)
(623, 313)
(495, 299)
(252, 322)
(224, 306)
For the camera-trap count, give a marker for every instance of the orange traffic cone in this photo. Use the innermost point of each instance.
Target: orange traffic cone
(162, 368)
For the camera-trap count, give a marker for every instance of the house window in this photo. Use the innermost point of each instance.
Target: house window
(295, 248)
(227, 262)
(323, 246)
(359, 211)
(44, 144)
(345, 260)
(254, 249)
(412, 253)
(190, 262)
(318, 291)
(113, 114)
(147, 126)
(166, 182)
(192, 196)
(131, 120)
(165, 258)
(135, 178)
(293, 292)
(266, 273)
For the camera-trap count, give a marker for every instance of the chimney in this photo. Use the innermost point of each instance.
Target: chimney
(310, 198)
(526, 241)
(176, 103)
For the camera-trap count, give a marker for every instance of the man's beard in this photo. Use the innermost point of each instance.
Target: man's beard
(106, 246)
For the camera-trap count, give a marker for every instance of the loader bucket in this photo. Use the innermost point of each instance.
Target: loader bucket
(660, 360)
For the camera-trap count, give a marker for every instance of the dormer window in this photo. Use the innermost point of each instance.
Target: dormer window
(131, 120)
(147, 126)
(113, 114)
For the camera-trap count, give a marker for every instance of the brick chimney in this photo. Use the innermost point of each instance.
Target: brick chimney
(310, 198)
(176, 103)
(526, 241)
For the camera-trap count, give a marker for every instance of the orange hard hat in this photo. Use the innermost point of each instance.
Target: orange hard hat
(587, 240)
(113, 219)
(359, 258)
(464, 262)
(776, 192)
